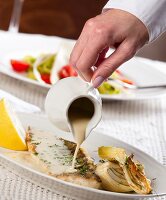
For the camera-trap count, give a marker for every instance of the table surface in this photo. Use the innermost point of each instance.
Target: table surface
(140, 123)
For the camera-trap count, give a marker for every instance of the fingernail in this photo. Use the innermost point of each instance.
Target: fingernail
(98, 81)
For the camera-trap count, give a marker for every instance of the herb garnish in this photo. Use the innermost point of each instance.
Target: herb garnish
(83, 169)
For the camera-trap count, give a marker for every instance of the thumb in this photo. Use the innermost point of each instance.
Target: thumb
(123, 53)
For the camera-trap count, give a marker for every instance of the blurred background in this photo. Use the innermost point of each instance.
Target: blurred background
(65, 19)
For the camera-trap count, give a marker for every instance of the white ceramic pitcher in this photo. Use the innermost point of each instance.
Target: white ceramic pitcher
(61, 96)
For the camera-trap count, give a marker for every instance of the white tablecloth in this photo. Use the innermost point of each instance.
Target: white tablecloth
(140, 123)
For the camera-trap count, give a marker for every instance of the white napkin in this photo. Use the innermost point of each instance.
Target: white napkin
(18, 104)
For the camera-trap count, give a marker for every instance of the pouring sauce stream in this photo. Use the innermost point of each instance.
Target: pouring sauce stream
(80, 113)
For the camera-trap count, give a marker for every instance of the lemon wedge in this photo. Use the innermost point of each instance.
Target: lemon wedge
(12, 133)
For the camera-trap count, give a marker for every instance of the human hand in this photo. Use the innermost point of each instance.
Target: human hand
(113, 28)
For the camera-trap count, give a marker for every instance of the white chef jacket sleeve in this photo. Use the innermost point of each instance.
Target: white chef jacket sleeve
(151, 12)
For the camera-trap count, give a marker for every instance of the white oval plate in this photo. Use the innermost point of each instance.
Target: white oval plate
(154, 170)
(140, 72)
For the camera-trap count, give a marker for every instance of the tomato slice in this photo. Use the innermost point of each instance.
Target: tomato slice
(67, 71)
(46, 78)
(19, 66)
(63, 73)
(127, 81)
(123, 78)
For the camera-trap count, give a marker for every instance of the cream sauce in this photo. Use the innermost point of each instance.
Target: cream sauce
(79, 114)
(26, 159)
(53, 155)
(52, 152)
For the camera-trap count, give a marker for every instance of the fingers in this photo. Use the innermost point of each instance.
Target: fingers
(78, 48)
(123, 53)
(81, 43)
(88, 49)
(89, 57)
(87, 75)
(101, 57)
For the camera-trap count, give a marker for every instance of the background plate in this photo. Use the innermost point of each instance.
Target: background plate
(141, 73)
